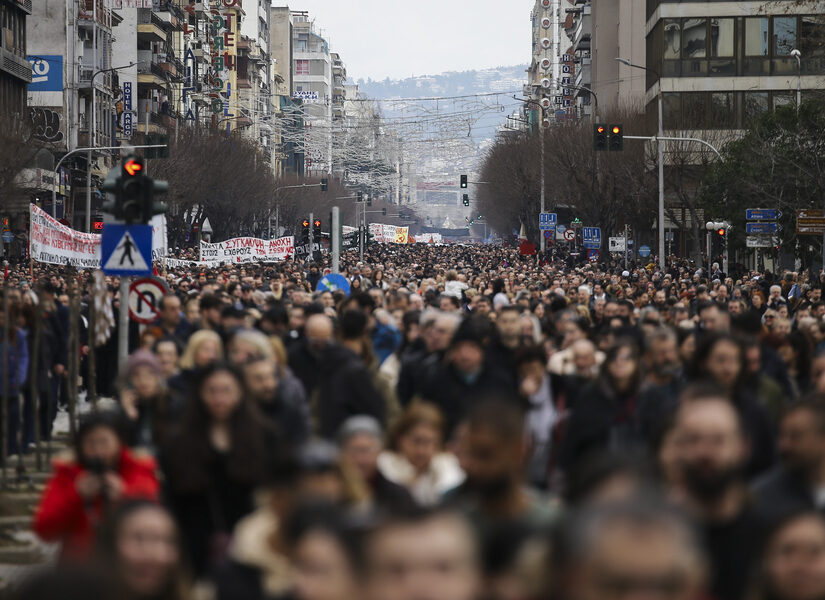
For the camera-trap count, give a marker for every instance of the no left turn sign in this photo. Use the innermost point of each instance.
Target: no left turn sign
(144, 299)
(569, 235)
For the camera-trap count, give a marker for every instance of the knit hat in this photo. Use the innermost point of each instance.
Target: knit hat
(359, 424)
(141, 358)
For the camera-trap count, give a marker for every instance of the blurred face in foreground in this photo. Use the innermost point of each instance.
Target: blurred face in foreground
(430, 560)
(147, 552)
(795, 560)
(638, 562)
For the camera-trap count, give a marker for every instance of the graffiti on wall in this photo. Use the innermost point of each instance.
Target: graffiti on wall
(46, 124)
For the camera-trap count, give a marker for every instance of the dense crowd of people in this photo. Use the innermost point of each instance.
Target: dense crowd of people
(463, 423)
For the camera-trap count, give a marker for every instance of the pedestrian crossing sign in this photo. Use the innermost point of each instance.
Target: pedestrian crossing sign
(126, 249)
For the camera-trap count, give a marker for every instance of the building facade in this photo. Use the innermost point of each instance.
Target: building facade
(15, 72)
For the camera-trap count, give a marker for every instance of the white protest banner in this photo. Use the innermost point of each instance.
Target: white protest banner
(160, 245)
(52, 242)
(389, 234)
(246, 249)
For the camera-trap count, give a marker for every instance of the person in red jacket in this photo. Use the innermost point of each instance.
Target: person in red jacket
(102, 473)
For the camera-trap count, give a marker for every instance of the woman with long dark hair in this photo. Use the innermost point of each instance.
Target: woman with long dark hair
(139, 547)
(603, 416)
(212, 462)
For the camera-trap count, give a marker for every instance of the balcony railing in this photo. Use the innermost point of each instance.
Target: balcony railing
(147, 17)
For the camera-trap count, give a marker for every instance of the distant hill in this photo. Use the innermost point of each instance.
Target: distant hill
(451, 83)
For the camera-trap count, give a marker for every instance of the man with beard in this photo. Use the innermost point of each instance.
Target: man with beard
(711, 451)
(282, 401)
(494, 496)
(660, 390)
(799, 483)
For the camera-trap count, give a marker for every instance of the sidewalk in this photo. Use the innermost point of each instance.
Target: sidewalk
(22, 554)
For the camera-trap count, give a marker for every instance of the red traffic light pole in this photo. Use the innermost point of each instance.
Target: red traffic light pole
(77, 150)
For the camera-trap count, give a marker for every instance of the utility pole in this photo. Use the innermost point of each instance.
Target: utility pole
(311, 253)
(335, 238)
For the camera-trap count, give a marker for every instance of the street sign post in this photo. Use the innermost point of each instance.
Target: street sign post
(560, 229)
(616, 244)
(767, 228)
(144, 299)
(762, 214)
(126, 249)
(761, 241)
(810, 222)
(569, 235)
(592, 238)
(547, 221)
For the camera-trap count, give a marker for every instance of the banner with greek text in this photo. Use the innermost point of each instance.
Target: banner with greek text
(389, 234)
(54, 243)
(247, 249)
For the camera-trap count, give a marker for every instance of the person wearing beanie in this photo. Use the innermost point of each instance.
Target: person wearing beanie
(145, 401)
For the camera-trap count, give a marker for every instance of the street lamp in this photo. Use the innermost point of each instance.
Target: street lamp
(92, 143)
(798, 56)
(660, 158)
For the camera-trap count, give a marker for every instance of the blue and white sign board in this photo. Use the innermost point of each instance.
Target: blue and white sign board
(47, 73)
(560, 229)
(762, 227)
(547, 221)
(126, 249)
(644, 251)
(592, 237)
(762, 214)
(334, 282)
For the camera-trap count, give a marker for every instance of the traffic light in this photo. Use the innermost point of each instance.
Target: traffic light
(463, 182)
(316, 230)
(305, 231)
(324, 184)
(360, 197)
(720, 227)
(465, 198)
(383, 212)
(616, 138)
(369, 200)
(132, 194)
(600, 137)
(97, 225)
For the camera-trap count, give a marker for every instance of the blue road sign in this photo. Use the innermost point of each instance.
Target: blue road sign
(593, 255)
(762, 214)
(8, 237)
(548, 233)
(644, 251)
(592, 237)
(547, 221)
(334, 282)
(762, 227)
(126, 249)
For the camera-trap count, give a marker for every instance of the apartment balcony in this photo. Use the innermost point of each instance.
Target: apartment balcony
(583, 73)
(152, 75)
(25, 6)
(104, 80)
(150, 26)
(244, 82)
(584, 28)
(87, 15)
(15, 65)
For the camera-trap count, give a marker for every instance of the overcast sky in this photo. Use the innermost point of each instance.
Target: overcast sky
(401, 38)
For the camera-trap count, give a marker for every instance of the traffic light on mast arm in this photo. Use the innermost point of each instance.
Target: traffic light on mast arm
(132, 193)
(305, 231)
(316, 230)
(600, 137)
(465, 198)
(616, 138)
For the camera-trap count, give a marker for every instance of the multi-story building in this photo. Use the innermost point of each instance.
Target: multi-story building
(552, 68)
(719, 64)
(288, 124)
(15, 71)
(70, 43)
(312, 84)
(255, 77)
(339, 80)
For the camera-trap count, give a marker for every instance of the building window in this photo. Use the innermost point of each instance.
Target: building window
(721, 38)
(302, 67)
(783, 99)
(756, 103)
(811, 30)
(722, 111)
(756, 36)
(671, 110)
(673, 39)
(694, 38)
(784, 35)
